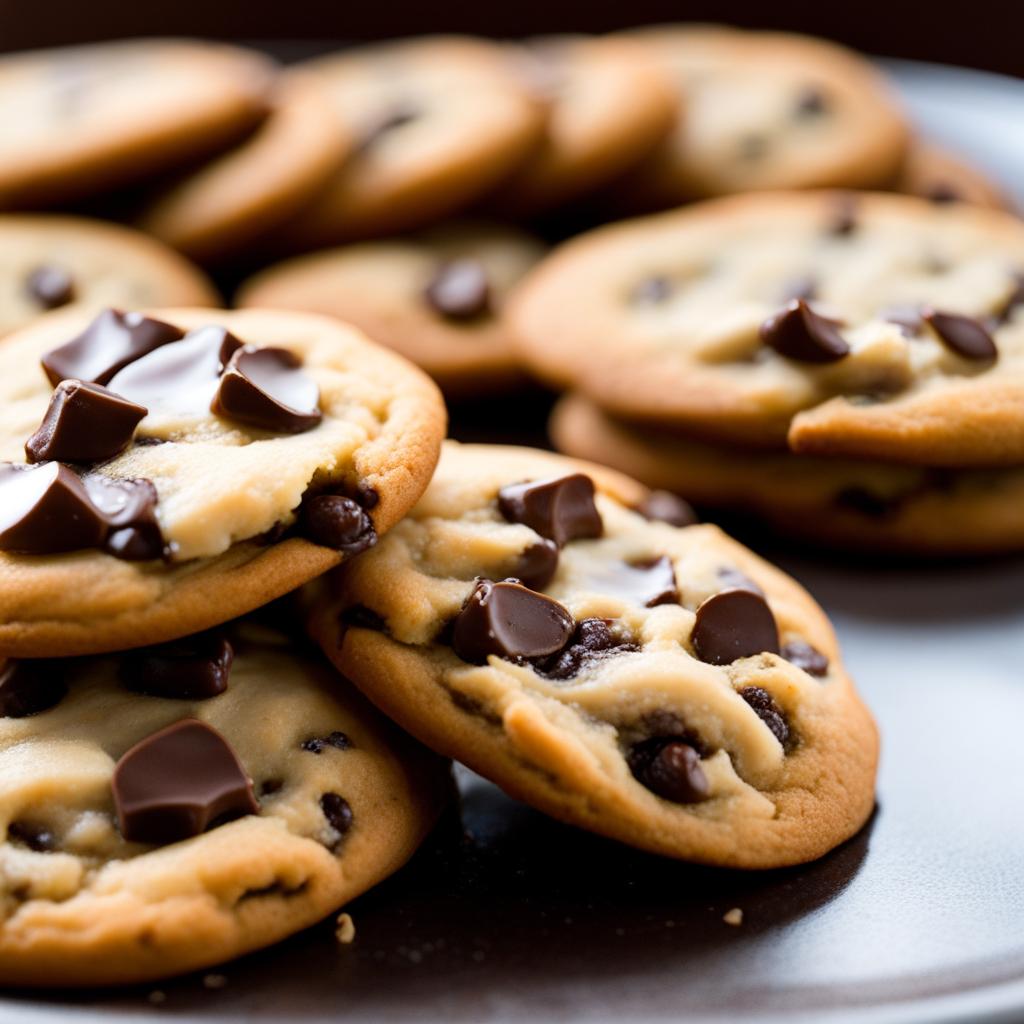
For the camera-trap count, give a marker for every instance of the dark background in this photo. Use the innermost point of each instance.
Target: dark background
(982, 33)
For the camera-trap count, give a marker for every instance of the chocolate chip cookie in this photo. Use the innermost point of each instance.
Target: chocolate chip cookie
(536, 618)
(48, 261)
(437, 298)
(172, 808)
(167, 470)
(871, 326)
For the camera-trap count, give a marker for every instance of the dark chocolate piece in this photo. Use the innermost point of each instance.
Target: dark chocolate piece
(31, 686)
(194, 668)
(803, 655)
(537, 564)
(592, 640)
(797, 332)
(338, 814)
(560, 508)
(734, 624)
(666, 507)
(768, 711)
(670, 768)
(337, 522)
(51, 286)
(129, 508)
(37, 838)
(811, 103)
(964, 335)
(943, 192)
(317, 744)
(459, 290)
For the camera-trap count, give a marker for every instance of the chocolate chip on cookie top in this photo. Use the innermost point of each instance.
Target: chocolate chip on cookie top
(51, 286)
(194, 668)
(459, 290)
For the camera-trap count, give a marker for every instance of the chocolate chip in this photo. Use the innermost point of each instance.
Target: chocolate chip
(942, 192)
(734, 624)
(337, 522)
(30, 687)
(267, 388)
(732, 578)
(592, 640)
(907, 318)
(866, 503)
(36, 837)
(752, 147)
(806, 657)
(805, 288)
(560, 508)
(112, 341)
(459, 290)
(666, 507)
(366, 496)
(843, 220)
(670, 768)
(129, 509)
(316, 745)
(179, 378)
(271, 786)
(811, 102)
(768, 711)
(194, 668)
(510, 621)
(84, 423)
(964, 335)
(51, 286)
(651, 291)
(178, 783)
(797, 332)
(537, 564)
(337, 812)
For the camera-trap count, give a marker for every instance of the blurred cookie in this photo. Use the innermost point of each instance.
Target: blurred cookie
(48, 261)
(934, 173)
(80, 120)
(436, 297)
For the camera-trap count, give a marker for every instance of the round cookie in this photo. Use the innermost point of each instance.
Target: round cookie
(934, 173)
(637, 690)
(48, 261)
(242, 815)
(437, 122)
(873, 326)
(80, 120)
(868, 506)
(610, 105)
(217, 210)
(436, 298)
(321, 442)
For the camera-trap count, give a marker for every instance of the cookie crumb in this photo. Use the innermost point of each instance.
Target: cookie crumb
(214, 981)
(733, 917)
(345, 933)
(157, 997)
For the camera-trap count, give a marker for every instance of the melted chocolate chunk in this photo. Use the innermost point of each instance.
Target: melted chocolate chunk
(670, 768)
(178, 783)
(31, 686)
(666, 507)
(459, 290)
(84, 423)
(811, 103)
(964, 335)
(337, 812)
(797, 332)
(560, 508)
(768, 711)
(129, 508)
(734, 579)
(510, 621)
(337, 522)
(112, 341)
(51, 286)
(651, 291)
(907, 318)
(734, 624)
(806, 657)
(267, 388)
(592, 640)
(317, 744)
(366, 496)
(537, 564)
(194, 668)
(36, 837)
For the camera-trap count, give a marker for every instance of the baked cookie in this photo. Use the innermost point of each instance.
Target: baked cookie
(934, 173)
(48, 261)
(216, 211)
(80, 120)
(169, 470)
(843, 503)
(874, 326)
(438, 121)
(609, 106)
(436, 297)
(173, 808)
(766, 110)
(656, 684)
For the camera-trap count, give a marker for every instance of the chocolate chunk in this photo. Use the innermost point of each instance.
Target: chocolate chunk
(560, 508)
(459, 290)
(907, 318)
(666, 507)
(670, 768)
(537, 564)
(768, 711)
(797, 332)
(806, 657)
(734, 579)
(129, 508)
(112, 341)
(51, 286)
(866, 503)
(734, 624)
(592, 640)
(316, 745)
(337, 522)
(651, 291)
(811, 102)
(194, 668)
(366, 496)
(966, 336)
(178, 783)
(267, 388)
(180, 378)
(337, 812)
(84, 423)
(37, 838)
(843, 222)
(31, 686)
(510, 621)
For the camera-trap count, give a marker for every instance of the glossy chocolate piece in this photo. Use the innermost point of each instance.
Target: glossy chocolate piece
(84, 423)
(178, 783)
(51, 286)
(112, 341)
(318, 744)
(670, 767)
(592, 640)
(797, 332)
(31, 686)
(338, 814)
(537, 564)
(508, 620)
(734, 624)
(459, 290)
(768, 711)
(268, 389)
(806, 657)
(337, 522)
(194, 668)
(963, 335)
(129, 509)
(560, 508)
(666, 507)
(37, 838)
